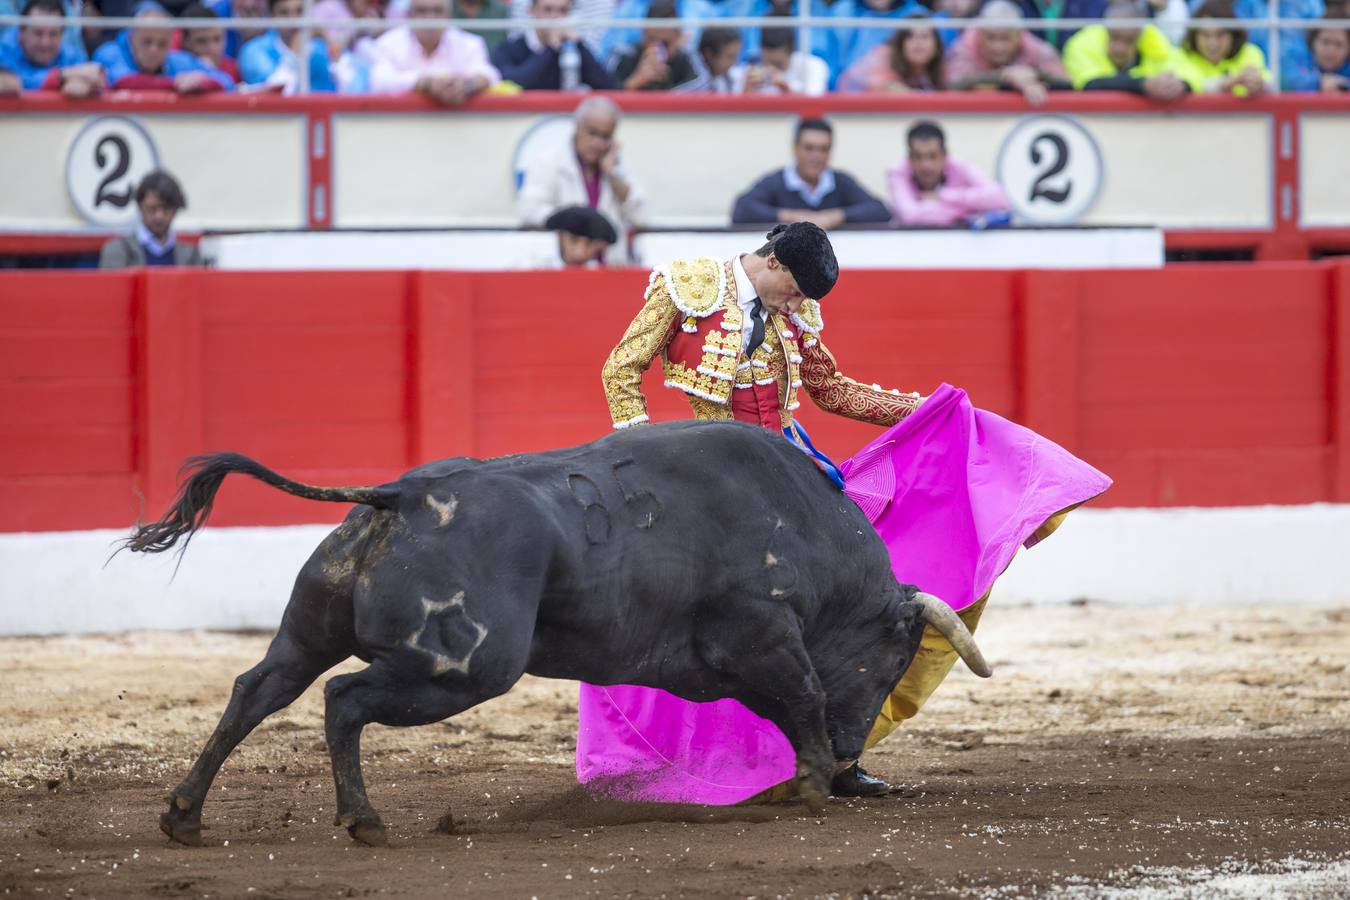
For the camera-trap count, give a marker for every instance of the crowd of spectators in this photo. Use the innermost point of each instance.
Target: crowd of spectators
(1188, 47)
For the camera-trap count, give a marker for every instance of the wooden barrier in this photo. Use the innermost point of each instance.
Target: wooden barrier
(1211, 385)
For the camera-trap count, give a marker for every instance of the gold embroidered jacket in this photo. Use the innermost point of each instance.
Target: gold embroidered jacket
(692, 318)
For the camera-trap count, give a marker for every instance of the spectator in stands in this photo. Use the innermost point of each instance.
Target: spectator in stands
(590, 173)
(657, 63)
(955, 9)
(584, 236)
(238, 12)
(1320, 64)
(993, 57)
(341, 35)
(1169, 15)
(718, 51)
(585, 13)
(159, 199)
(208, 44)
(273, 58)
(931, 188)
(808, 190)
(782, 68)
(845, 46)
(72, 42)
(1110, 57)
(483, 10)
(41, 60)
(93, 36)
(1219, 58)
(142, 59)
(1294, 55)
(910, 61)
(534, 60)
(449, 66)
(1331, 55)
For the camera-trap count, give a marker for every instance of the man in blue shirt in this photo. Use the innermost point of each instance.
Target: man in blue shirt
(141, 59)
(271, 58)
(809, 190)
(38, 55)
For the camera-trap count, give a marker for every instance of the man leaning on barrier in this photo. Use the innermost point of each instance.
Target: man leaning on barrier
(1112, 57)
(40, 60)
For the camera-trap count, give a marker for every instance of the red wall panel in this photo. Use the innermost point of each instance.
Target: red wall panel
(1206, 385)
(67, 397)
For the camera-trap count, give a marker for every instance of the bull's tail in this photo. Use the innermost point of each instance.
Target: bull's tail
(197, 494)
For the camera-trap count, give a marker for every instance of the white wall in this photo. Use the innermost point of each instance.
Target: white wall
(241, 577)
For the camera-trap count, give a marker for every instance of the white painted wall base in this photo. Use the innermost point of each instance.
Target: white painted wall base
(241, 577)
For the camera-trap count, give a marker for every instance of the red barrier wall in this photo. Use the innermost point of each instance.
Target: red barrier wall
(1205, 385)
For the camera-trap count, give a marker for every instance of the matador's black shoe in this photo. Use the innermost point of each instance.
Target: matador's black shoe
(854, 782)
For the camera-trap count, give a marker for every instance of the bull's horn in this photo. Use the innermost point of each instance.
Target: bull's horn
(941, 617)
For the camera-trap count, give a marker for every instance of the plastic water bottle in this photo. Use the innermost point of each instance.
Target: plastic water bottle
(569, 65)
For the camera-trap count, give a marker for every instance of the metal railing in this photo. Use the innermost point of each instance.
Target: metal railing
(803, 22)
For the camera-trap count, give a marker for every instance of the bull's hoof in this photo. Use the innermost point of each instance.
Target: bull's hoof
(811, 794)
(181, 823)
(368, 830)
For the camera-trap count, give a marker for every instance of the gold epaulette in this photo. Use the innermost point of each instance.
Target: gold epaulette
(807, 318)
(695, 286)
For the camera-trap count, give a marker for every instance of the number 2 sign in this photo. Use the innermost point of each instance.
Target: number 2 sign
(1051, 169)
(108, 158)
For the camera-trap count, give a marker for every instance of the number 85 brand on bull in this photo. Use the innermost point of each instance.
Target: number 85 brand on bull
(1051, 169)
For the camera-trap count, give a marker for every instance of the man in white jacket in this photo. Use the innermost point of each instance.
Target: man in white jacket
(586, 173)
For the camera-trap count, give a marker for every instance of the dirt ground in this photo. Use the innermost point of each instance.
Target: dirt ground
(1116, 752)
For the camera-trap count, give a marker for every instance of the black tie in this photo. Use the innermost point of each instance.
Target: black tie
(757, 330)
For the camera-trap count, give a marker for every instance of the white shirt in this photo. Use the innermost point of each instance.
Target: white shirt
(745, 298)
(146, 238)
(806, 74)
(400, 62)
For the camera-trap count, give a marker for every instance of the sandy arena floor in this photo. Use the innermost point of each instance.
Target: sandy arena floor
(1118, 753)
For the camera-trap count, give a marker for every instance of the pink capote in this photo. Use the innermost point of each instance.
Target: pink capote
(954, 491)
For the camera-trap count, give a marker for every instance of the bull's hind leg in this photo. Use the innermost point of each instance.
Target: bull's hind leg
(378, 694)
(283, 675)
(766, 659)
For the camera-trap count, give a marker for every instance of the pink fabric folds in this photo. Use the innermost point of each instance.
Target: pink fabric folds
(953, 491)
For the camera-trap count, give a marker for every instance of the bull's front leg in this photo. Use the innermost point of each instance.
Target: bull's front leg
(770, 672)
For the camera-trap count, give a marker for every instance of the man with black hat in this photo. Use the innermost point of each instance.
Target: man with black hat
(741, 337)
(583, 235)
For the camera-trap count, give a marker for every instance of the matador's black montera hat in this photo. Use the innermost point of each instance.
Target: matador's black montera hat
(583, 222)
(805, 249)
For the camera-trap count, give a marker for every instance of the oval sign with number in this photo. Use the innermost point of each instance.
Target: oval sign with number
(1051, 168)
(107, 159)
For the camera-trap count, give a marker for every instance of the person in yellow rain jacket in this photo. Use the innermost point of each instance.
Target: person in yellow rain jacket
(1115, 57)
(1219, 58)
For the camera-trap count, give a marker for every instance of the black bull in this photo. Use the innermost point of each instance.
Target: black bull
(708, 559)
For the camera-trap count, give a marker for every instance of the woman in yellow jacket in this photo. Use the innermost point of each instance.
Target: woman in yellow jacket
(1219, 59)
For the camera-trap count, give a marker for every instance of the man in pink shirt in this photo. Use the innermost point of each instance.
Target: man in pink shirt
(448, 66)
(932, 189)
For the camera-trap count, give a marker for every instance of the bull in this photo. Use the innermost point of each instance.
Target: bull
(708, 559)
